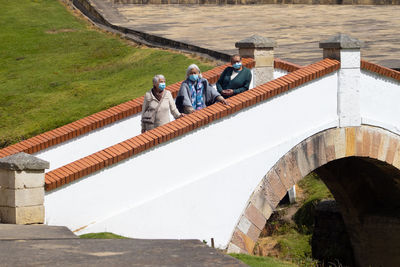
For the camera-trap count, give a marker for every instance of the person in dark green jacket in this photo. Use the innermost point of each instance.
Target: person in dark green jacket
(235, 79)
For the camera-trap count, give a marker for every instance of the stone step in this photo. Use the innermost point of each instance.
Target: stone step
(34, 232)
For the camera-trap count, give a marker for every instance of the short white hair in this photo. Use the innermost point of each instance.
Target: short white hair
(157, 78)
(192, 66)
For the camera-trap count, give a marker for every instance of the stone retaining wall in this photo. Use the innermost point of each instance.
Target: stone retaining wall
(262, 2)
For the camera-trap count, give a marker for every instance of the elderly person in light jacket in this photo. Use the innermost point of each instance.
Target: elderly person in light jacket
(157, 105)
(196, 93)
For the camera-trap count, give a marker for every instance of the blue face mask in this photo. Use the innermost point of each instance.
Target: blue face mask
(237, 65)
(161, 86)
(194, 77)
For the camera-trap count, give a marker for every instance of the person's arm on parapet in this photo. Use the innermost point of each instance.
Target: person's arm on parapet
(172, 106)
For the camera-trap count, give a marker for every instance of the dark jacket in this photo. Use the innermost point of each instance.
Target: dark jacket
(239, 84)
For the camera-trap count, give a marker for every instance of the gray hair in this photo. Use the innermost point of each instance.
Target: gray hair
(157, 78)
(193, 66)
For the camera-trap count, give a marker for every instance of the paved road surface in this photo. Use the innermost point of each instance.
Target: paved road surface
(41, 245)
(296, 28)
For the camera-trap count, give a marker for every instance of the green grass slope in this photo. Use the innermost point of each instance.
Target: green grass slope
(56, 69)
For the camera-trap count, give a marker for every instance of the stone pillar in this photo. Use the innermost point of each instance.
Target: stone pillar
(346, 50)
(292, 194)
(261, 49)
(22, 189)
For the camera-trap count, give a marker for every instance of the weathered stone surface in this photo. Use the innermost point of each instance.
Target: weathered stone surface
(350, 141)
(383, 147)
(393, 147)
(329, 145)
(396, 158)
(22, 215)
(283, 172)
(273, 189)
(332, 53)
(262, 204)
(376, 141)
(359, 141)
(341, 41)
(255, 216)
(319, 146)
(263, 75)
(253, 233)
(243, 241)
(367, 141)
(292, 170)
(21, 197)
(244, 224)
(264, 57)
(232, 248)
(301, 158)
(340, 142)
(21, 179)
(256, 41)
(311, 147)
(23, 161)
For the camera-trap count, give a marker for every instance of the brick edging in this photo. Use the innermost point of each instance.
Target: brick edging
(142, 142)
(380, 70)
(285, 65)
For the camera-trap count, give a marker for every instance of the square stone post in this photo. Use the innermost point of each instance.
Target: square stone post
(22, 189)
(261, 49)
(292, 194)
(346, 50)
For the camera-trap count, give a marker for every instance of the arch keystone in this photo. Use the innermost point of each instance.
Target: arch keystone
(350, 141)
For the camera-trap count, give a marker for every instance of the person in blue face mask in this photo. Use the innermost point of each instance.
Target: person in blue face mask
(196, 93)
(235, 79)
(157, 105)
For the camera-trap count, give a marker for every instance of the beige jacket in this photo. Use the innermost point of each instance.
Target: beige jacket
(162, 116)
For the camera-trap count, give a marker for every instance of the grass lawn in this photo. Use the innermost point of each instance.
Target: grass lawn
(56, 68)
(104, 235)
(255, 261)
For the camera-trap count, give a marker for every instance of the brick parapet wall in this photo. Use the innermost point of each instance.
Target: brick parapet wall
(365, 65)
(111, 115)
(145, 141)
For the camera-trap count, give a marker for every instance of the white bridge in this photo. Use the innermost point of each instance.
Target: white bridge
(220, 172)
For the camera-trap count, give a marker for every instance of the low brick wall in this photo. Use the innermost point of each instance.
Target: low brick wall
(262, 2)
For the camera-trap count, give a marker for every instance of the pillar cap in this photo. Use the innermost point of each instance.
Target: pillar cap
(23, 161)
(256, 41)
(341, 41)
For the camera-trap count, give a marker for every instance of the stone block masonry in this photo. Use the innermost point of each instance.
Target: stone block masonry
(22, 189)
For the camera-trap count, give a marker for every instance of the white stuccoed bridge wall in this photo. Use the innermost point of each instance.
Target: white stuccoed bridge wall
(379, 101)
(196, 186)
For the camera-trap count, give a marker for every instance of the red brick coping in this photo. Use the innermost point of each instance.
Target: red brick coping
(108, 116)
(142, 142)
(380, 70)
(285, 65)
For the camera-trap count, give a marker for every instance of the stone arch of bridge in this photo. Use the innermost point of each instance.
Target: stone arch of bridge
(361, 167)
